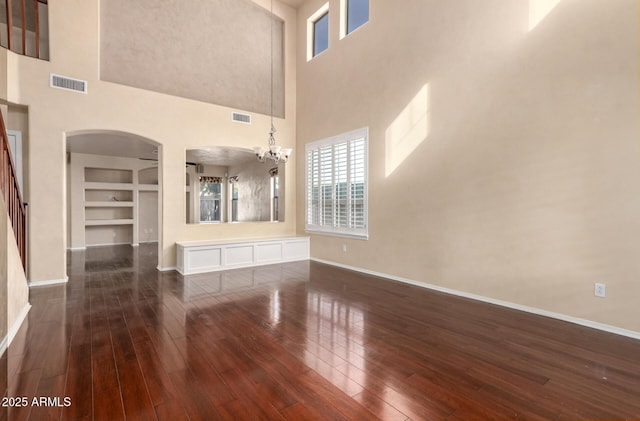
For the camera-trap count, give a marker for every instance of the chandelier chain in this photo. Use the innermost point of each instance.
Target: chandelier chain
(272, 140)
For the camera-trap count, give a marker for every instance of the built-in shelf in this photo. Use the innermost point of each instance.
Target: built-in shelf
(108, 175)
(111, 200)
(108, 186)
(101, 222)
(109, 204)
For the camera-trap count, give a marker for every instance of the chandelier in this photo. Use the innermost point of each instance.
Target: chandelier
(274, 152)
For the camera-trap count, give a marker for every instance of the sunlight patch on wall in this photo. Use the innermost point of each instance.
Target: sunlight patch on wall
(539, 9)
(407, 131)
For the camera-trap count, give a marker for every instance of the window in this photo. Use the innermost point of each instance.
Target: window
(321, 34)
(318, 32)
(357, 14)
(210, 199)
(337, 185)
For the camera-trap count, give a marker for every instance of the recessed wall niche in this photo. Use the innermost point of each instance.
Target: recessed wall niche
(179, 49)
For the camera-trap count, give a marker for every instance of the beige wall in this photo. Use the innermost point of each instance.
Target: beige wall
(174, 123)
(6, 235)
(14, 292)
(18, 120)
(217, 51)
(3, 74)
(504, 157)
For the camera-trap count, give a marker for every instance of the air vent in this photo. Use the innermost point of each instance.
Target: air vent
(241, 118)
(67, 83)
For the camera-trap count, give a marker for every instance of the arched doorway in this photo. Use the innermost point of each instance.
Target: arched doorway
(114, 190)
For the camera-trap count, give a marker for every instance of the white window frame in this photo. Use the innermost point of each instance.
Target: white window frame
(359, 233)
(343, 19)
(324, 9)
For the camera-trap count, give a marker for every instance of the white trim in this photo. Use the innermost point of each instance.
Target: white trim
(343, 18)
(16, 155)
(14, 328)
(330, 233)
(343, 138)
(310, 30)
(167, 269)
(76, 248)
(201, 256)
(35, 284)
(109, 244)
(344, 14)
(507, 304)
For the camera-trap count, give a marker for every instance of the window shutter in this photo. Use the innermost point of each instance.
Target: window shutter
(337, 185)
(357, 215)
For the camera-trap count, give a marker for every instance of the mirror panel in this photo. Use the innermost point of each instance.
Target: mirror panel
(229, 185)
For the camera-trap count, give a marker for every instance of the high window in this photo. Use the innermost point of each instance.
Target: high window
(318, 32)
(336, 185)
(321, 34)
(357, 14)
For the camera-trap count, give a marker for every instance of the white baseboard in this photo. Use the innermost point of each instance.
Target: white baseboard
(167, 269)
(13, 330)
(35, 284)
(76, 248)
(507, 304)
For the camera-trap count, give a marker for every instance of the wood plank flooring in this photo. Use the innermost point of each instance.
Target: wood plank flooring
(299, 341)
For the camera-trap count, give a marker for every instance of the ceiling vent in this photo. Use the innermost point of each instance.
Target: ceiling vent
(241, 118)
(67, 83)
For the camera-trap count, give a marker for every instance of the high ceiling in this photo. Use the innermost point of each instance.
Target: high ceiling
(293, 3)
(225, 157)
(112, 144)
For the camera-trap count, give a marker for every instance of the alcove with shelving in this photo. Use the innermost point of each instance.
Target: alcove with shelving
(113, 200)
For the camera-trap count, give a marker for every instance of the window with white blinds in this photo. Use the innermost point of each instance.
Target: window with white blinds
(336, 171)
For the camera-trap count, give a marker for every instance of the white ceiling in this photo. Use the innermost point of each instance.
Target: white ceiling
(132, 146)
(293, 3)
(224, 157)
(112, 144)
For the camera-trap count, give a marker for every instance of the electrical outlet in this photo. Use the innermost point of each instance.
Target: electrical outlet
(600, 290)
(344, 248)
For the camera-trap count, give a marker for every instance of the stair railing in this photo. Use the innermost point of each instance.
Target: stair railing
(11, 193)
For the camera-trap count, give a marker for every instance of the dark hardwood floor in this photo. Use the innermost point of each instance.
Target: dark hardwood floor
(299, 341)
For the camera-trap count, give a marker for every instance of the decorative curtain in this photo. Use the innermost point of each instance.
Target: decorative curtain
(273, 171)
(233, 179)
(210, 179)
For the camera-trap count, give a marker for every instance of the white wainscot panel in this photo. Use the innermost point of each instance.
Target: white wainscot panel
(296, 250)
(268, 252)
(209, 256)
(239, 255)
